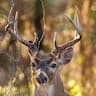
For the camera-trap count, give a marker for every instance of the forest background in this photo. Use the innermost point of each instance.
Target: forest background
(79, 77)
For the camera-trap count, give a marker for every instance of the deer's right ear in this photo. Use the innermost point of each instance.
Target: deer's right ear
(65, 56)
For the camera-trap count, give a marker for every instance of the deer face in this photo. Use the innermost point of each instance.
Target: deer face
(43, 70)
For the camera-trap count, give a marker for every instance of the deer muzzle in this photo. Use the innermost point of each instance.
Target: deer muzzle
(42, 78)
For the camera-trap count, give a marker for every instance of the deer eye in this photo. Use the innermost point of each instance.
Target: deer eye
(53, 65)
(30, 42)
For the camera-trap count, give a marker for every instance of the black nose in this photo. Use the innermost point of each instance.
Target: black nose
(41, 79)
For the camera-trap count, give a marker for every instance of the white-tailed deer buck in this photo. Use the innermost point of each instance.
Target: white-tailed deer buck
(44, 67)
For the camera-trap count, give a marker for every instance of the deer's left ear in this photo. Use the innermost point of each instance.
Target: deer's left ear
(65, 56)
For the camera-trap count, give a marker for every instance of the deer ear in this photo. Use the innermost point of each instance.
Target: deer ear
(65, 56)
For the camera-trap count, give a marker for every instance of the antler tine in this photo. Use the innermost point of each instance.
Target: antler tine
(12, 2)
(12, 26)
(16, 23)
(38, 39)
(54, 40)
(10, 16)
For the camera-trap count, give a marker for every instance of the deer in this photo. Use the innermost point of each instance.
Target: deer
(44, 67)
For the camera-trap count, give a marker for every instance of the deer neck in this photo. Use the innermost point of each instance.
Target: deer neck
(53, 89)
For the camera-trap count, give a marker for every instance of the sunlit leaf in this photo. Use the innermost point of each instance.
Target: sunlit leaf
(94, 69)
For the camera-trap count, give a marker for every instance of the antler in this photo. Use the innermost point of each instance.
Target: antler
(12, 28)
(77, 26)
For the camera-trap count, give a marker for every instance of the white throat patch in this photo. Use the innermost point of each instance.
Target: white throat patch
(50, 90)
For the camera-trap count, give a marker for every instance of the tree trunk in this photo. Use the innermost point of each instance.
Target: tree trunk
(87, 49)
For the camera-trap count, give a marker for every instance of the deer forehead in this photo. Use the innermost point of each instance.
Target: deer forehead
(42, 58)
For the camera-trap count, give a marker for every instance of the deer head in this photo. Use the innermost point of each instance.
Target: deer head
(44, 67)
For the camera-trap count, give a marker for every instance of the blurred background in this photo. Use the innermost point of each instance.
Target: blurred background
(79, 76)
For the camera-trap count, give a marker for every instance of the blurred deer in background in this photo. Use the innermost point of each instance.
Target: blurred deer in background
(44, 67)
